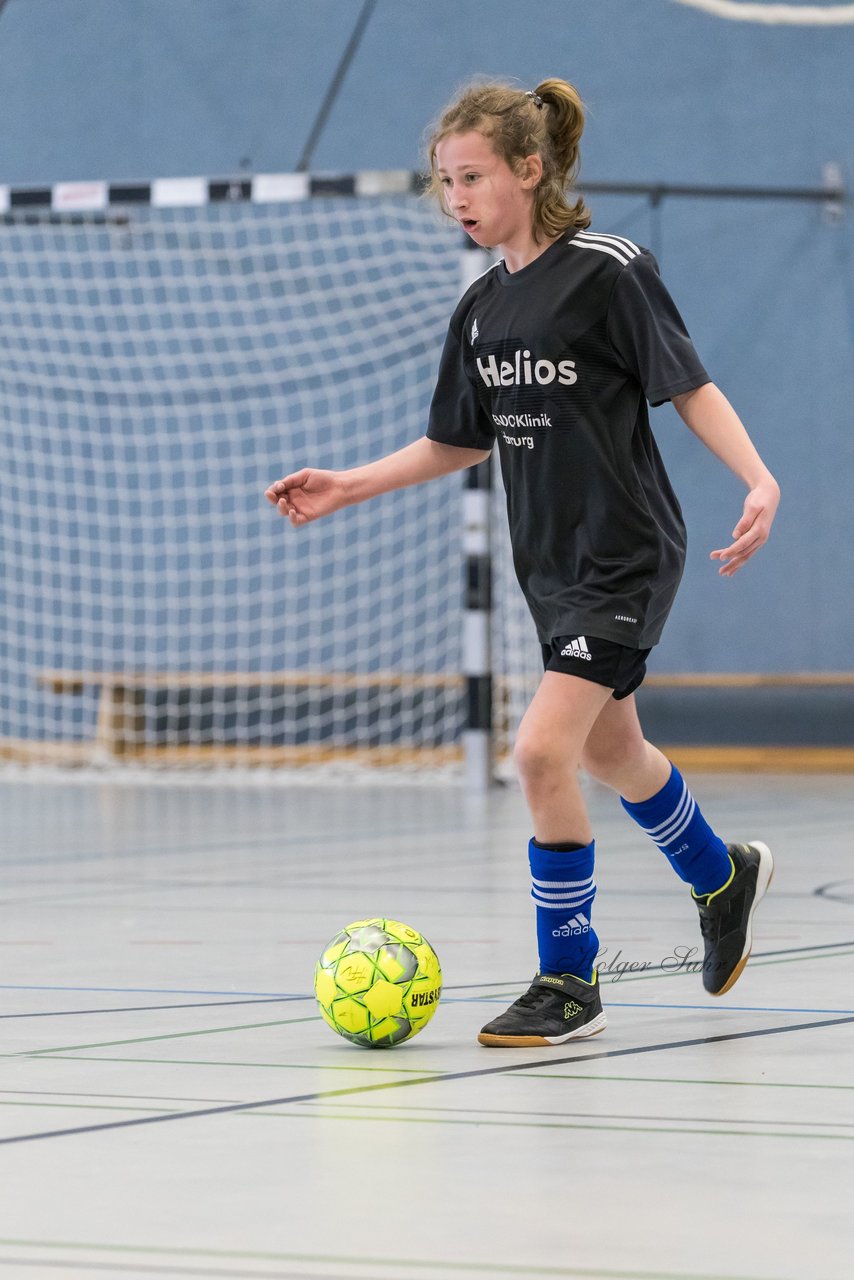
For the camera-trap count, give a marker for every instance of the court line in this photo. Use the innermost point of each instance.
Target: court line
(156, 991)
(678, 1127)
(734, 1084)
(469, 986)
(211, 1062)
(259, 843)
(143, 1008)
(460, 986)
(170, 1035)
(491, 1268)
(58, 1050)
(373, 1108)
(495, 1118)
(165, 1269)
(435, 1078)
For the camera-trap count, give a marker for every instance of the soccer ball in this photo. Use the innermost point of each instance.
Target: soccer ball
(378, 983)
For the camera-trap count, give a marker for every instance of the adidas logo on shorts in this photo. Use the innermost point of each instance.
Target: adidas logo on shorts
(577, 649)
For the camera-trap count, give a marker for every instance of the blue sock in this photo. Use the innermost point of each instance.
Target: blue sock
(563, 891)
(672, 818)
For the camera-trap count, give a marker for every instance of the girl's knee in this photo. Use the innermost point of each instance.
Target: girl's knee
(536, 759)
(613, 758)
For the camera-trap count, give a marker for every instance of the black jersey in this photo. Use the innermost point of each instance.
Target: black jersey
(553, 362)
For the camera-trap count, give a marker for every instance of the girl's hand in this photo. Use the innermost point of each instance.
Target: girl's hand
(308, 494)
(753, 528)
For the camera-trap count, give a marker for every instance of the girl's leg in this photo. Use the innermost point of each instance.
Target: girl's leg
(549, 745)
(727, 881)
(656, 796)
(547, 754)
(617, 753)
(563, 1002)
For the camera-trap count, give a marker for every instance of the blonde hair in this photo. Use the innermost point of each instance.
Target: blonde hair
(547, 121)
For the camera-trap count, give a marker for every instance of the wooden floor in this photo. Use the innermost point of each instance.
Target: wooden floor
(172, 1104)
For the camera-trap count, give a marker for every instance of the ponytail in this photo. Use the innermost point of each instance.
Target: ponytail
(564, 120)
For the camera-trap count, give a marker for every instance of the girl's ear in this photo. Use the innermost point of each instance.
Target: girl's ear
(531, 171)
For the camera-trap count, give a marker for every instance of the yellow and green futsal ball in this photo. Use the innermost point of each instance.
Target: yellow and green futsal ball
(378, 983)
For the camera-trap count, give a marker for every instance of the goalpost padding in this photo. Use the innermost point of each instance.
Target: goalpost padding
(160, 366)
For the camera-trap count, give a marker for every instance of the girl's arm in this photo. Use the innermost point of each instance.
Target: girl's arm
(713, 420)
(310, 493)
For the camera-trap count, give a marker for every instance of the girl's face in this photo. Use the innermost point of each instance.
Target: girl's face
(490, 202)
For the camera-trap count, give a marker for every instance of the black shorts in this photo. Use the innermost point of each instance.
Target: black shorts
(600, 661)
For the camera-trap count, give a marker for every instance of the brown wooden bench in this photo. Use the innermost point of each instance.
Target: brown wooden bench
(120, 723)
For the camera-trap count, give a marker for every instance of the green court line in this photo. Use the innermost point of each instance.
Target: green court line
(549, 1121)
(14, 1094)
(488, 1268)
(369, 1108)
(90, 1106)
(739, 1084)
(51, 1056)
(659, 1130)
(431, 1078)
(173, 1035)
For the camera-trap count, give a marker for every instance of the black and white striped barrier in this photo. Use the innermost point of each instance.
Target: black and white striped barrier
(477, 594)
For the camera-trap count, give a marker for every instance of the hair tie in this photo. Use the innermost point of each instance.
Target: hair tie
(535, 98)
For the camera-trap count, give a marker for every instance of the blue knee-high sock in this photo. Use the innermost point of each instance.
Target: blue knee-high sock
(672, 819)
(563, 891)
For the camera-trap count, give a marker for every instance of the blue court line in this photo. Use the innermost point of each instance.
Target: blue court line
(446, 1000)
(648, 1008)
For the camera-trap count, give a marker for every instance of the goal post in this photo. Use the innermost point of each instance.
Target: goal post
(166, 350)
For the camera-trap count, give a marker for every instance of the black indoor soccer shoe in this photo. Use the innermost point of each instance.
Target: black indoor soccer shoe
(727, 915)
(553, 1009)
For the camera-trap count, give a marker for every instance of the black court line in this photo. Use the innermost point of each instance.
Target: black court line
(504, 1069)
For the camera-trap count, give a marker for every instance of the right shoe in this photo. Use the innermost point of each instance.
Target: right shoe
(554, 1009)
(726, 916)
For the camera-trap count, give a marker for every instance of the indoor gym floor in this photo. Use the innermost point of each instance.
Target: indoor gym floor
(173, 1105)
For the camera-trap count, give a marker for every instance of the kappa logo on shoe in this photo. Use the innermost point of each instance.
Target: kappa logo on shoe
(577, 649)
(571, 1009)
(578, 924)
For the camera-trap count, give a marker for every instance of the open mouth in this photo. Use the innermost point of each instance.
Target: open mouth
(468, 224)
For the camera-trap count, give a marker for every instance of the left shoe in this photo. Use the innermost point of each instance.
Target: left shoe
(554, 1009)
(726, 916)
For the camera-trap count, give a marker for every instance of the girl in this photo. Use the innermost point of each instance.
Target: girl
(552, 355)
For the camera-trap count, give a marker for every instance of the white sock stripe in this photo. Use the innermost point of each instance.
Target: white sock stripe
(653, 831)
(673, 835)
(563, 899)
(562, 884)
(581, 894)
(559, 906)
(685, 798)
(677, 821)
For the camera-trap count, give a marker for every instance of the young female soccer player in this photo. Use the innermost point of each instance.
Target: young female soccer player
(551, 355)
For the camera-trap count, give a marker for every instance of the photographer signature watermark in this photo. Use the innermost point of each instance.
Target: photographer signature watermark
(682, 959)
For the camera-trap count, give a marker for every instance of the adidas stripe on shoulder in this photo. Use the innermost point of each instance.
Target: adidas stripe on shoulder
(615, 246)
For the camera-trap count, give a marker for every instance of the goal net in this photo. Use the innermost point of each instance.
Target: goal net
(158, 368)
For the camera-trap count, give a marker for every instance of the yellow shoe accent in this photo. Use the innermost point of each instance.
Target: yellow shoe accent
(707, 897)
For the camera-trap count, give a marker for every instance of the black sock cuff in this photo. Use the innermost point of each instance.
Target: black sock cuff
(565, 846)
